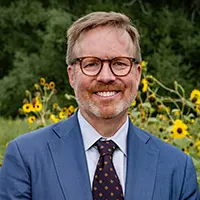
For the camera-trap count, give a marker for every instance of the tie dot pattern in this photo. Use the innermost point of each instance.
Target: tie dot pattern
(106, 184)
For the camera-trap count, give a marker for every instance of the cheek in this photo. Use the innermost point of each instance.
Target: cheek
(131, 85)
(133, 81)
(81, 85)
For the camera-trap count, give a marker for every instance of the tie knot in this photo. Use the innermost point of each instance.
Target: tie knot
(106, 147)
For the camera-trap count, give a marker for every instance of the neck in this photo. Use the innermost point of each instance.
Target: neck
(106, 127)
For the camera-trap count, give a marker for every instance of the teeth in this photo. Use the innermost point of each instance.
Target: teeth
(106, 94)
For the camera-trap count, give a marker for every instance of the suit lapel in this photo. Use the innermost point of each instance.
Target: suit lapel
(141, 165)
(70, 161)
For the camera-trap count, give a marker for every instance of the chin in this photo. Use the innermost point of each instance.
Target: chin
(107, 112)
(104, 111)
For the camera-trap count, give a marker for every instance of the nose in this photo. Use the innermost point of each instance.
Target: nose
(106, 74)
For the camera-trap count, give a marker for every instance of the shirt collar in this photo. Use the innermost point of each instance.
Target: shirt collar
(90, 135)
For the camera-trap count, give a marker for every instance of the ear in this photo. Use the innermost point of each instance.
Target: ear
(138, 75)
(71, 75)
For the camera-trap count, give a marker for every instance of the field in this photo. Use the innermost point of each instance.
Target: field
(9, 129)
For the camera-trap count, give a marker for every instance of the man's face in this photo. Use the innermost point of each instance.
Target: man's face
(104, 95)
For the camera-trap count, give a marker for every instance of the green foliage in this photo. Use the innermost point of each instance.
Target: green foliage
(39, 106)
(172, 47)
(38, 51)
(32, 42)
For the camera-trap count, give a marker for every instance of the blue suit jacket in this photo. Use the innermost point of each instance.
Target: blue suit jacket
(50, 164)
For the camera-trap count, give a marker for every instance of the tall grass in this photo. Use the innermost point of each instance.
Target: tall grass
(10, 129)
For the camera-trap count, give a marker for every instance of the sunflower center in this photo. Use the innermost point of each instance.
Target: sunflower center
(194, 99)
(179, 130)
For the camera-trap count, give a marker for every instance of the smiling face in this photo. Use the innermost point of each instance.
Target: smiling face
(105, 95)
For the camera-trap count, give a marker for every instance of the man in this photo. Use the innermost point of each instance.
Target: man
(98, 153)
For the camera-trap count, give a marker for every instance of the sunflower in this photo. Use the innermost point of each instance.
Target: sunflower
(64, 109)
(195, 96)
(54, 118)
(36, 86)
(149, 79)
(197, 108)
(42, 81)
(70, 110)
(179, 129)
(27, 93)
(37, 107)
(142, 116)
(143, 64)
(185, 150)
(132, 119)
(31, 119)
(165, 138)
(51, 85)
(27, 107)
(161, 129)
(177, 113)
(197, 145)
(20, 111)
(134, 103)
(47, 86)
(62, 115)
(144, 85)
(37, 99)
(163, 117)
(152, 98)
(55, 106)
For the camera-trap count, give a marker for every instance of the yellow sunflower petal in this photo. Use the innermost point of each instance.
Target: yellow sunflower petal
(42, 81)
(37, 107)
(31, 119)
(195, 95)
(144, 85)
(27, 108)
(62, 115)
(51, 85)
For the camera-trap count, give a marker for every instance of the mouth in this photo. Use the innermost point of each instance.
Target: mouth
(106, 93)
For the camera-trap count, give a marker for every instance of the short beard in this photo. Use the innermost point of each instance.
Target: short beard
(119, 108)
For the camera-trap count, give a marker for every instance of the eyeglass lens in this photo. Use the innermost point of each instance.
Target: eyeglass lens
(119, 66)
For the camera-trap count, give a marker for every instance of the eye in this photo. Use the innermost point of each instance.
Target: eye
(120, 63)
(90, 64)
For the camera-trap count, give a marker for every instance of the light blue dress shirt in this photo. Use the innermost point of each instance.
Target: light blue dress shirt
(90, 136)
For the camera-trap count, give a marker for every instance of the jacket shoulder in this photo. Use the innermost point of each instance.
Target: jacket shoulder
(167, 151)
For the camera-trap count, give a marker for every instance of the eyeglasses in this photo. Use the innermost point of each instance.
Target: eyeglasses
(91, 66)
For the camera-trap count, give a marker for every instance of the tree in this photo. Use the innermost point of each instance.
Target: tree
(37, 43)
(32, 42)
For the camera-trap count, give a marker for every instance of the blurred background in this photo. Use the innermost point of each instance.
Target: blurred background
(33, 44)
(33, 72)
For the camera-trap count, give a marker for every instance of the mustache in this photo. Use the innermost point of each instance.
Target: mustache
(107, 87)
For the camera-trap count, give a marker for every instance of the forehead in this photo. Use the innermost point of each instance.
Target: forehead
(105, 42)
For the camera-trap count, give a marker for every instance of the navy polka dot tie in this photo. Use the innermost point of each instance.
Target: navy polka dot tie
(106, 184)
